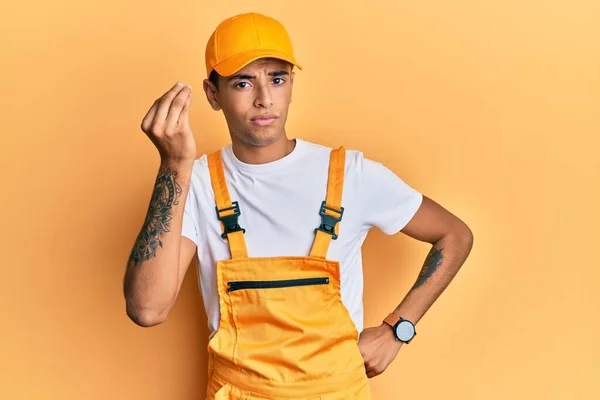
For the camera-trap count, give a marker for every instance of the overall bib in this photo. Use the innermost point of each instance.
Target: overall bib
(284, 332)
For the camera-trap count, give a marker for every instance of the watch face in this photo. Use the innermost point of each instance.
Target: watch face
(405, 331)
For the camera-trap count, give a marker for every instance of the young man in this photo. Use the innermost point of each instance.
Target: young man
(278, 225)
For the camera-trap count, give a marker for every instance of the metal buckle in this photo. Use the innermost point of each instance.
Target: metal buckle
(328, 222)
(230, 222)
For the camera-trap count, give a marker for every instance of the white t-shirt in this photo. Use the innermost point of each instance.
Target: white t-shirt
(280, 203)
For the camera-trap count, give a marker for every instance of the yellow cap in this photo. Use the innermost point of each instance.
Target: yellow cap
(243, 38)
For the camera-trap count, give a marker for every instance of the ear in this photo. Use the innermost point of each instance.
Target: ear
(211, 94)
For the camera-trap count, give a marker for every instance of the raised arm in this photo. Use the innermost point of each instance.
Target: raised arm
(160, 255)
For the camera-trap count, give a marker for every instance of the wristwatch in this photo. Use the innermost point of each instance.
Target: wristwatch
(404, 330)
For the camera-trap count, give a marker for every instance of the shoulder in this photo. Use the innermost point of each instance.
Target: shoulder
(358, 167)
(200, 167)
(355, 159)
(200, 177)
(311, 150)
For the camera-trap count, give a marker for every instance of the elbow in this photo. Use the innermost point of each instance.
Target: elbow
(145, 318)
(465, 235)
(461, 233)
(144, 308)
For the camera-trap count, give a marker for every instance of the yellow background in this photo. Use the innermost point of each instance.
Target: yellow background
(489, 107)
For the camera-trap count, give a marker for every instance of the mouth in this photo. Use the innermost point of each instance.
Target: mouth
(263, 120)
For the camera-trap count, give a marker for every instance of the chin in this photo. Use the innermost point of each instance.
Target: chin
(260, 137)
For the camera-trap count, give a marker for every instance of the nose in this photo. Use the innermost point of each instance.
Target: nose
(263, 97)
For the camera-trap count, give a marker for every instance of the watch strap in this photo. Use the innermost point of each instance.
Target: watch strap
(392, 320)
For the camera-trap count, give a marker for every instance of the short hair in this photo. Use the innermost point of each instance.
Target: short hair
(214, 78)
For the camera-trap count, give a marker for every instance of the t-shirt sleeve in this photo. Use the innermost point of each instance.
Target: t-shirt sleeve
(188, 225)
(388, 202)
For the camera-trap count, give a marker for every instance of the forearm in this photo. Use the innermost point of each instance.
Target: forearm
(152, 273)
(443, 262)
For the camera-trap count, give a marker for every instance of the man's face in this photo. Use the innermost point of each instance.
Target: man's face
(255, 101)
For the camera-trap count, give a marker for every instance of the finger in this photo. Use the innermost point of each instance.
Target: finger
(165, 102)
(177, 105)
(147, 121)
(184, 117)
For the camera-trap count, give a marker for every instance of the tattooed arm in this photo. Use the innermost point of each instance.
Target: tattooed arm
(451, 241)
(160, 255)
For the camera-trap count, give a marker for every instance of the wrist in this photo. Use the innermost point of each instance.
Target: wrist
(387, 332)
(174, 162)
(402, 329)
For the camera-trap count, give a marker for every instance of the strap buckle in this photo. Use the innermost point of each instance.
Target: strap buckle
(328, 222)
(230, 222)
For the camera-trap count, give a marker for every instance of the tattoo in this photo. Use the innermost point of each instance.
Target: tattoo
(432, 262)
(165, 196)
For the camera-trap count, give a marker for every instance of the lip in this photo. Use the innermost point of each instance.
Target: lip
(263, 120)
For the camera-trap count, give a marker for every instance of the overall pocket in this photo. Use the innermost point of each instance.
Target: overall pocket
(290, 329)
(286, 283)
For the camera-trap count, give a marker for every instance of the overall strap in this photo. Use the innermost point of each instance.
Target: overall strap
(227, 212)
(331, 209)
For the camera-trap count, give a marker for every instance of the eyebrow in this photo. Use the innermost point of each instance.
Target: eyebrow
(244, 76)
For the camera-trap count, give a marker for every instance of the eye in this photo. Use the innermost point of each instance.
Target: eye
(241, 83)
(280, 81)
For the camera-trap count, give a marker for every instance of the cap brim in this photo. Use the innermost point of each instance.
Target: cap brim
(233, 64)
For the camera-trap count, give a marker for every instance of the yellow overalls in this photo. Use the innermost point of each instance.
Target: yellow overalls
(284, 332)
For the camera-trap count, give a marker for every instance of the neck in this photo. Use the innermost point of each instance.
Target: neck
(251, 154)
